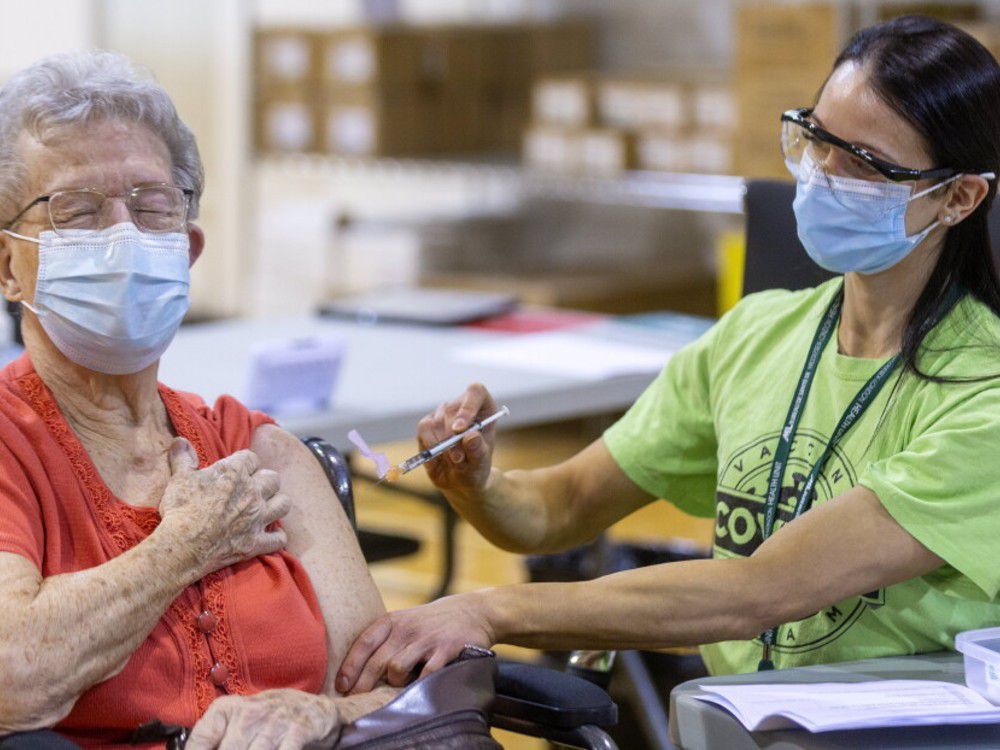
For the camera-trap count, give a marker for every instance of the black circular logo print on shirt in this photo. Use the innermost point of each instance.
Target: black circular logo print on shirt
(739, 519)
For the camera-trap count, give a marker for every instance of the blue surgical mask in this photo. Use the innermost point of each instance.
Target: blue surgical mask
(847, 224)
(111, 300)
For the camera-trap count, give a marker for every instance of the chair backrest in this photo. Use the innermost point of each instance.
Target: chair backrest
(775, 259)
(338, 472)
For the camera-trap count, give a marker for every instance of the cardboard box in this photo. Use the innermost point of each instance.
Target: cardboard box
(699, 153)
(712, 107)
(369, 56)
(986, 32)
(561, 47)
(709, 154)
(661, 151)
(784, 52)
(451, 120)
(371, 122)
(285, 124)
(285, 61)
(564, 100)
(606, 151)
(641, 102)
(789, 36)
(946, 11)
(452, 55)
(550, 147)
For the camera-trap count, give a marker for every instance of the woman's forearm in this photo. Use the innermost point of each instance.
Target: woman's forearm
(353, 707)
(61, 635)
(678, 604)
(513, 510)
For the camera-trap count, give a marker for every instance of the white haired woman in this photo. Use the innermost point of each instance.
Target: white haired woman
(142, 572)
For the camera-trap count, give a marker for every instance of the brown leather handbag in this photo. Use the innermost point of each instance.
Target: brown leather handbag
(447, 710)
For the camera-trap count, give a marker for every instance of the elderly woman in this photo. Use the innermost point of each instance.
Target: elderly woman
(142, 573)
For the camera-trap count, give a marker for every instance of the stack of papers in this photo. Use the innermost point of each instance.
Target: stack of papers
(823, 707)
(566, 355)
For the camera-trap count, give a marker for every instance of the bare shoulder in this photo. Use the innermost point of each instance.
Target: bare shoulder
(316, 511)
(277, 447)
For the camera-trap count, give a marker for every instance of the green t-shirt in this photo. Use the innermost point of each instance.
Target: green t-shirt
(703, 436)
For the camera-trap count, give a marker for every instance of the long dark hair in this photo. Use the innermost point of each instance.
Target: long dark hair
(947, 86)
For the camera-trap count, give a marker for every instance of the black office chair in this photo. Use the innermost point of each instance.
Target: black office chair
(775, 259)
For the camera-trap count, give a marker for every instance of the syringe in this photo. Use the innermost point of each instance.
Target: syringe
(436, 450)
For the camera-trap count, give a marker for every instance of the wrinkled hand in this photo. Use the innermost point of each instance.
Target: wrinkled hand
(465, 468)
(272, 720)
(428, 637)
(222, 512)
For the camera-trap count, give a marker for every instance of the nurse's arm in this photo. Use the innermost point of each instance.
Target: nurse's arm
(553, 508)
(842, 548)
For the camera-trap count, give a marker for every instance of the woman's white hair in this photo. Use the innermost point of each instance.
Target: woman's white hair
(72, 89)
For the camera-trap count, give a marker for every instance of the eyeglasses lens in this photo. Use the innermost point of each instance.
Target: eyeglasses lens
(152, 209)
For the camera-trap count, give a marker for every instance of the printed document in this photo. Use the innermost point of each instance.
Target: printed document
(823, 707)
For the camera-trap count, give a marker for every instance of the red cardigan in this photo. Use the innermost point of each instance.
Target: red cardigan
(243, 629)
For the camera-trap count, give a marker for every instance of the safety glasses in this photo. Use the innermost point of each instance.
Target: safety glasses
(801, 137)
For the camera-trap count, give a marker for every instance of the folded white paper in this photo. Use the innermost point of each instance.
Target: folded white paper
(823, 707)
(566, 355)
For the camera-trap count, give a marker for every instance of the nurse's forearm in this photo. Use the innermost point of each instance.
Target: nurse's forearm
(677, 604)
(554, 508)
(703, 601)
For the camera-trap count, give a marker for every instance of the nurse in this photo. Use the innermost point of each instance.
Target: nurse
(846, 438)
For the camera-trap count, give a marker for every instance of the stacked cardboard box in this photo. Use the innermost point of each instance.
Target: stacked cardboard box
(406, 91)
(987, 32)
(783, 55)
(676, 122)
(286, 65)
(785, 51)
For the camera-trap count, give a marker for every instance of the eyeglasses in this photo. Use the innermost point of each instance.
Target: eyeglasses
(153, 208)
(801, 136)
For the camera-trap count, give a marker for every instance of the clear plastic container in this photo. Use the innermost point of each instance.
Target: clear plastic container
(981, 649)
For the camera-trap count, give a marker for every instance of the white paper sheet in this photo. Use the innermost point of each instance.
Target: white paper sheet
(824, 707)
(566, 355)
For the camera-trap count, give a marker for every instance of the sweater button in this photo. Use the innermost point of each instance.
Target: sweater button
(219, 674)
(206, 622)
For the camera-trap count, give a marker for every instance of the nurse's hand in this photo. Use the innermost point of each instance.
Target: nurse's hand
(411, 643)
(465, 468)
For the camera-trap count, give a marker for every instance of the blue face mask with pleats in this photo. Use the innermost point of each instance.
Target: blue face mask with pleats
(847, 224)
(111, 300)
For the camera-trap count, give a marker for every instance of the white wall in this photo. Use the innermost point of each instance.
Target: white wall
(38, 28)
(199, 52)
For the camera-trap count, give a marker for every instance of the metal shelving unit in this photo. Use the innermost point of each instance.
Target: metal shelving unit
(678, 191)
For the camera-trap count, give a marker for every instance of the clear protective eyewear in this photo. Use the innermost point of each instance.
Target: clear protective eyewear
(153, 208)
(802, 139)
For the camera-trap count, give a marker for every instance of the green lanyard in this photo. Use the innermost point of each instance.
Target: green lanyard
(854, 411)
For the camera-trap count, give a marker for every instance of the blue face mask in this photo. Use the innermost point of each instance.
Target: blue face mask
(111, 300)
(847, 224)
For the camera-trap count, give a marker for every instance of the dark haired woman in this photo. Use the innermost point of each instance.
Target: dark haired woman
(844, 437)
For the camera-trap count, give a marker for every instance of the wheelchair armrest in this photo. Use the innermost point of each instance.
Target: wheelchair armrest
(549, 698)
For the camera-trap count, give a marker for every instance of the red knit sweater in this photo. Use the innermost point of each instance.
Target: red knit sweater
(263, 629)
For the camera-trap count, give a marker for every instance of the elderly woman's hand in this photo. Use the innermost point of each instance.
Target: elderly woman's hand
(272, 720)
(426, 637)
(222, 513)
